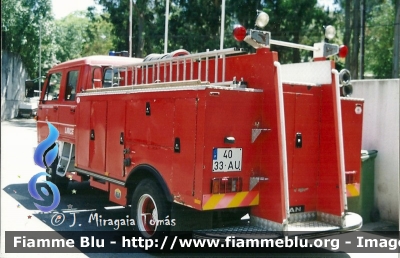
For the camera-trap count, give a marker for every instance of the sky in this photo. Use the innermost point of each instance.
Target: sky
(327, 3)
(62, 8)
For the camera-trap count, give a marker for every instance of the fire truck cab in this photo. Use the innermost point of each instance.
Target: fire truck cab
(217, 134)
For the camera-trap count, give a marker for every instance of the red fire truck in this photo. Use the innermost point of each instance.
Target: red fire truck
(189, 140)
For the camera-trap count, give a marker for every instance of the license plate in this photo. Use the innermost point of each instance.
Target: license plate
(227, 159)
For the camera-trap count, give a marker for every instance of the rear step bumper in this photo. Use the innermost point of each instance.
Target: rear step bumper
(306, 229)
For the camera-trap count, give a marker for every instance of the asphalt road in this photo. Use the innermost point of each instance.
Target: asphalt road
(18, 211)
(77, 208)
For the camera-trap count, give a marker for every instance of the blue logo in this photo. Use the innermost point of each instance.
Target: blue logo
(45, 154)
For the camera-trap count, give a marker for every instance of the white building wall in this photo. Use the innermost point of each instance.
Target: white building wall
(381, 133)
(13, 76)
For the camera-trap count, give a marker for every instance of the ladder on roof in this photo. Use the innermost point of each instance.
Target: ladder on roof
(172, 69)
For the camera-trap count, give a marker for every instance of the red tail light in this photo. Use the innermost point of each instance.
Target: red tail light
(226, 185)
(239, 32)
(343, 50)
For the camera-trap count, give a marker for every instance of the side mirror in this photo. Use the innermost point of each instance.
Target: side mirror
(29, 88)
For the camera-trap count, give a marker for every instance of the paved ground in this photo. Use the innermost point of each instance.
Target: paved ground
(18, 138)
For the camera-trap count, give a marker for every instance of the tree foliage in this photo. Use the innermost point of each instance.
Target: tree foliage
(82, 34)
(194, 25)
(22, 21)
(300, 21)
(379, 50)
(378, 40)
(70, 36)
(28, 27)
(98, 37)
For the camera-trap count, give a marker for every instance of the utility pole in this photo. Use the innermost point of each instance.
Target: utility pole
(130, 28)
(166, 26)
(362, 38)
(221, 45)
(40, 55)
(396, 42)
(355, 53)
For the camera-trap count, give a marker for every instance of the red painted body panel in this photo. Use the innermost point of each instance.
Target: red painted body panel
(272, 200)
(183, 168)
(229, 114)
(330, 199)
(302, 109)
(352, 114)
(114, 159)
(97, 145)
(83, 135)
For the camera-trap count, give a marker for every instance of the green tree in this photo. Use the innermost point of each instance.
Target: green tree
(300, 21)
(22, 21)
(199, 22)
(379, 40)
(70, 36)
(118, 11)
(98, 37)
(83, 33)
(195, 25)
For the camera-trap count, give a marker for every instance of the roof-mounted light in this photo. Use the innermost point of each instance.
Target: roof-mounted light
(330, 32)
(262, 19)
(239, 32)
(121, 53)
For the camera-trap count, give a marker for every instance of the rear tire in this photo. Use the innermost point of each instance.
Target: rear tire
(151, 210)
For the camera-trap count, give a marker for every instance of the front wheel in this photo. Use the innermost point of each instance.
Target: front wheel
(151, 210)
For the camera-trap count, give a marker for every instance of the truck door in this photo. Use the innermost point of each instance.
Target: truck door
(91, 135)
(49, 107)
(115, 139)
(68, 105)
(302, 132)
(97, 143)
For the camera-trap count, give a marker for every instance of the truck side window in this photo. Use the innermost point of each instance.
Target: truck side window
(70, 89)
(53, 86)
(112, 78)
(108, 78)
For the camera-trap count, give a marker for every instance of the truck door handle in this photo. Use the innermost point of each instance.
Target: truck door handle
(299, 140)
(92, 134)
(72, 110)
(55, 108)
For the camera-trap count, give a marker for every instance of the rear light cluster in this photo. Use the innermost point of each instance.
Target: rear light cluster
(350, 177)
(226, 185)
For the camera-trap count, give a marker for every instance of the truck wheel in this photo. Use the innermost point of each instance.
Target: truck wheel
(151, 210)
(60, 182)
